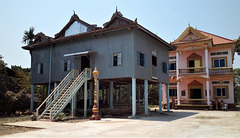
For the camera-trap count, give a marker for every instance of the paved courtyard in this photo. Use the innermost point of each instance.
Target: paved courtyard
(179, 123)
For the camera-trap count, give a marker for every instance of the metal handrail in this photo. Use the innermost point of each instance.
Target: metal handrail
(74, 87)
(63, 84)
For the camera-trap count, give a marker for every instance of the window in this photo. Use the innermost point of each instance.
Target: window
(174, 57)
(172, 66)
(67, 65)
(172, 83)
(141, 59)
(173, 92)
(165, 67)
(218, 82)
(220, 62)
(40, 68)
(154, 61)
(221, 91)
(117, 59)
(183, 93)
(219, 53)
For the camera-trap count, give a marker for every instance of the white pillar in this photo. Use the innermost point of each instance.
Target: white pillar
(177, 61)
(133, 96)
(91, 94)
(32, 98)
(178, 92)
(120, 93)
(208, 95)
(207, 71)
(146, 96)
(85, 99)
(98, 93)
(168, 104)
(111, 95)
(129, 93)
(139, 89)
(160, 96)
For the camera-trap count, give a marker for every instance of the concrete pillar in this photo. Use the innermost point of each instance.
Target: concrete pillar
(133, 96)
(160, 96)
(108, 96)
(32, 98)
(85, 99)
(168, 104)
(111, 95)
(74, 104)
(146, 96)
(103, 94)
(91, 93)
(208, 95)
(139, 89)
(56, 91)
(120, 93)
(129, 93)
(98, 93)
(178, 93)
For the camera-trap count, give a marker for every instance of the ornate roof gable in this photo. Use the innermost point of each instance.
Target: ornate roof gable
(71, 21)
(117, 19)
(190, 34)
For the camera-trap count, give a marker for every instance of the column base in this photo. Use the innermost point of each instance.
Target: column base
(95, 118)
(133, 117)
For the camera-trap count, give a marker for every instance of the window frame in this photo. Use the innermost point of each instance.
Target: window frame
(67, 65)
(118, 59)
(154, 62)
(174, 66)
(141, 59)
(173, 96)
(219, 58)
(219, 86)
(40, 68)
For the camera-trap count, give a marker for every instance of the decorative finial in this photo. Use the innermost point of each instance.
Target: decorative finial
(73, 12)
(189, 24)
(136, 20)
(196, 27)
(116, 9)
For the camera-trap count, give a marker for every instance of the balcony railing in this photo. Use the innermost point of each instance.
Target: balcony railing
(172, 73)
(221, 71)
(186, 71)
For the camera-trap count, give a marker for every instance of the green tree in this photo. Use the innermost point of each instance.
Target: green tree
(29, 36)
(237, 49)
(236, 79)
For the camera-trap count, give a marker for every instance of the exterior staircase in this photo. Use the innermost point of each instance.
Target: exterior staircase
(62, 94)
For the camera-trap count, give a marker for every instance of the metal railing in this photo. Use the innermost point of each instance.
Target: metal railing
(65, 98)
(193, 101)
(63, 85)
(221, 71)
(185, 71)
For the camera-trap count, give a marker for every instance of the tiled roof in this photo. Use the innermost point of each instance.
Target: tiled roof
(217, 39)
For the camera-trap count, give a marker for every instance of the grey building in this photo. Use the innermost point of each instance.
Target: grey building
(124, 52)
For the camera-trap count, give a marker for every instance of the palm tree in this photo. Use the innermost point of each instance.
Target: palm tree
(29, 36)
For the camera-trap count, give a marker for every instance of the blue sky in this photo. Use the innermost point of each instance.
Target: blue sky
(167, 18)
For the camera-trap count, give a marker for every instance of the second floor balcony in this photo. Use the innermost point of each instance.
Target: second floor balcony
(193, 70)
(221, 71)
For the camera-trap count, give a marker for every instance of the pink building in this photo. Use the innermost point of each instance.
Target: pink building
(200, 69)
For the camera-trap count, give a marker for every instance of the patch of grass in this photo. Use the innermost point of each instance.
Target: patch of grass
(14, 119)
(153, 106)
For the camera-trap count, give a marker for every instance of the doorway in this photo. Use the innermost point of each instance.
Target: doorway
(85, 62)
(195, 93)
